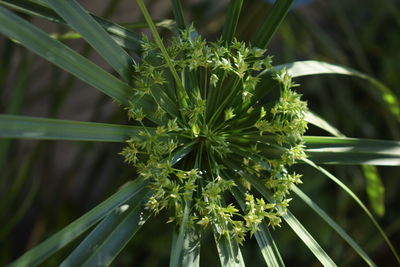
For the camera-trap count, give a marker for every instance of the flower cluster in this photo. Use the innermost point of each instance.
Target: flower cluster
(206, 115)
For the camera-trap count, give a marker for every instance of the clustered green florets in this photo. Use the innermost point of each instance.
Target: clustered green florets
(217, 123)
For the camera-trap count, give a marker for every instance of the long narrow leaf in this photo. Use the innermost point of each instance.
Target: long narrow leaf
(231, 21)
(228, 251)
(333, 225)
(290, 219)
(102, 231)
(178, 14)
(80, 20)
(44, 250)
(179, 237)
(359, 202)
(264, 239)
(191, 248)
(107, 251)
(271, 23)
(341, 150)
(52, 50)
(311, 67)
(121, 35)
(12, 126)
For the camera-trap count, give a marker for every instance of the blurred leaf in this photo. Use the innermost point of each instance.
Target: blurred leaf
(53, 129)
(316, 120)
(39, 42)
(231, 20)
(311, 67)
(271, 23)
(178, 14)
(44, 250)
(375, 189)
(358, 201)
(342, 150)
(121, 36)
(103, 231)
(126, 227)
(333, 225)
(177, 248)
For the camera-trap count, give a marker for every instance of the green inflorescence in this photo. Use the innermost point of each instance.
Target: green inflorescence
(197, 131)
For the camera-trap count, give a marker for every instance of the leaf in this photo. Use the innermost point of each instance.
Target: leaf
(231, 20)
(316, 120)
(264, 239)
(311, 67)
(191, 248)
(54, 51)
(12, 126)
(271, 23)
(290, 219)
(44, 250)
(333, 225)
(342, 150)
(228, 251)
(100, 234)
(178, 14)
(358, 201)
(80, 20)
(117, 239)
(179, 238)
(121, 35)
(375, 189)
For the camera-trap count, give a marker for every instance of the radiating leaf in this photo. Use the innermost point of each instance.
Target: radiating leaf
(264, 239)
(358, 201)
(121, 35)
(231, 20)
(179, 238)
(335, 150)
(316, 120)
(271, 23)
(44, 250)
(12, 126)
(311, 67)
(102, 231)
(80, 20)
(228, 251)
(52, 50)
(333, 225)
(118, 238)
(191, 248)
(178, 14)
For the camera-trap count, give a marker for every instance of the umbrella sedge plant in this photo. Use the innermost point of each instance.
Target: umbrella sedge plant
(215, 128)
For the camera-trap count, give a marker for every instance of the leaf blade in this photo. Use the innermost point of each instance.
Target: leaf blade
(231, 20)
(95, 35)
(54, 51)
(12, 126)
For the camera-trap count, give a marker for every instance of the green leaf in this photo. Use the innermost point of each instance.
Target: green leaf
(375, 189)
(12, 126)
(54, 51)
(44, 250)
(311, 67)
(333, 225)
(80, 20)
(316, 120)
(90, 245)
(358, 201)
(117, 239)
(231, 21)
(178, 14)
(228, 251)
(290, 219)
(191, 248)
(121, 36)
(179, 238)
(271, 23)
(341, 150)
(264, 239)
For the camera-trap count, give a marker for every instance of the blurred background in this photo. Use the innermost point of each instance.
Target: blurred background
(45, 185)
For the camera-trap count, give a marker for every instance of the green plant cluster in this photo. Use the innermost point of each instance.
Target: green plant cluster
(236, 130)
